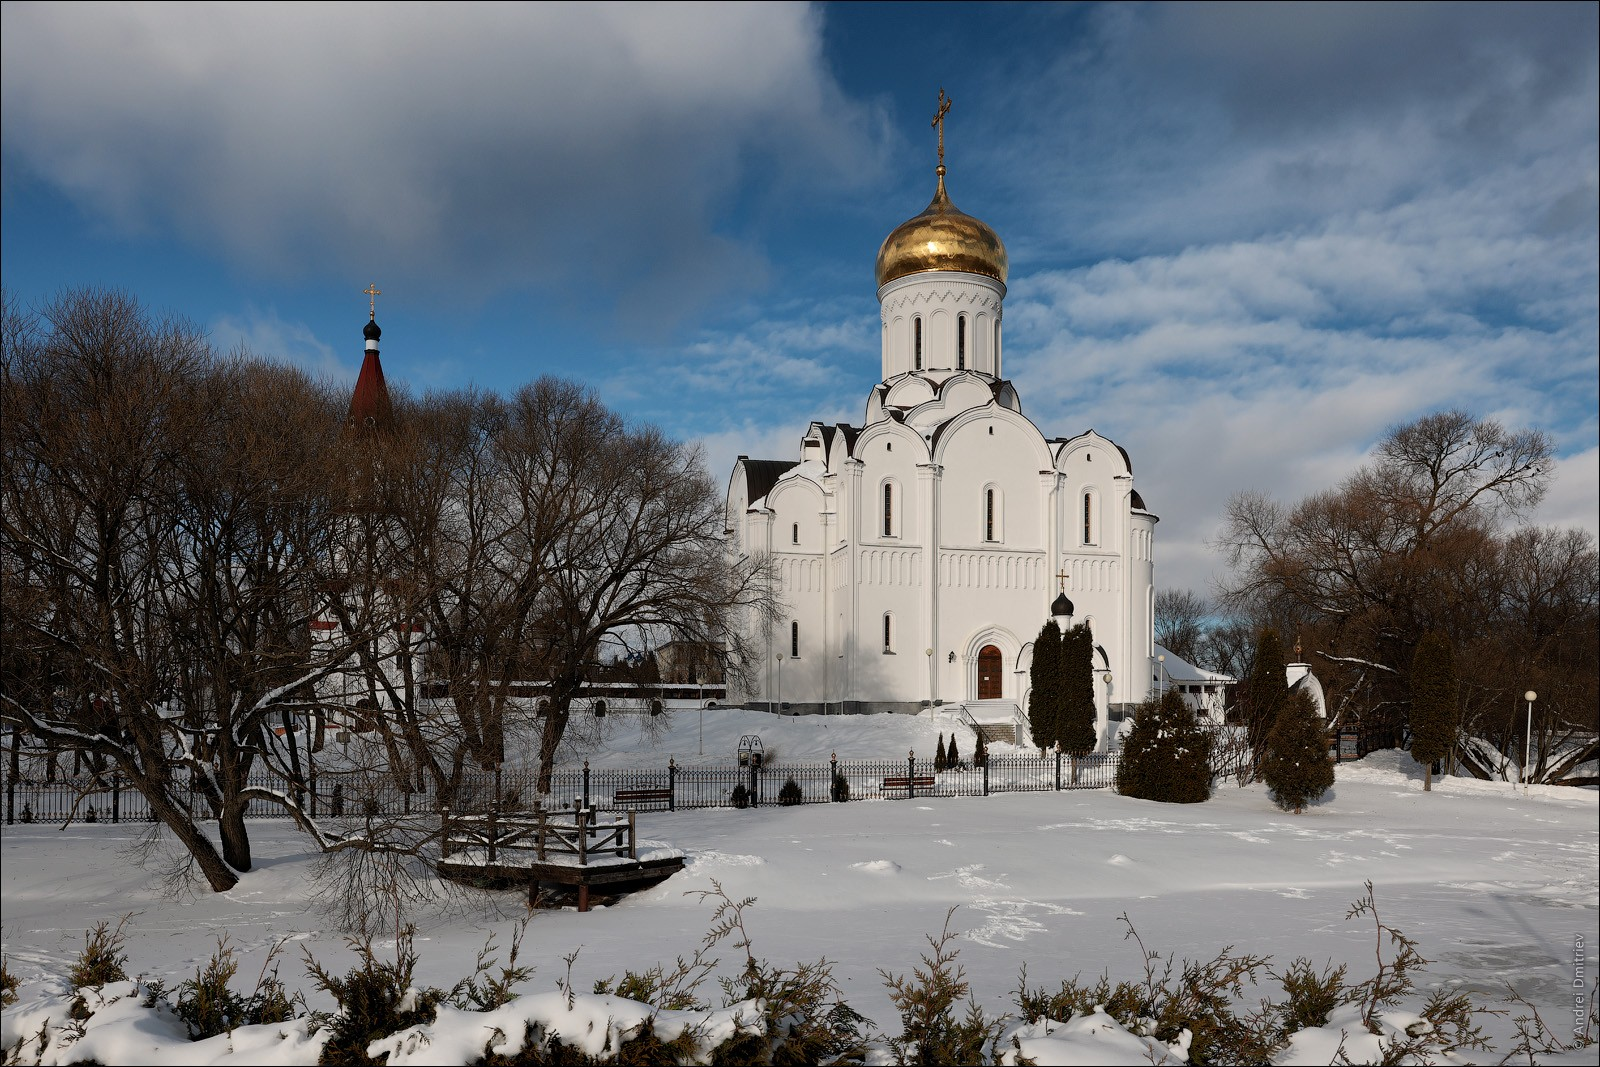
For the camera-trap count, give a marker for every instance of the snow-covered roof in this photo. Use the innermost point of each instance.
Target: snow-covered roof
(1181, 670)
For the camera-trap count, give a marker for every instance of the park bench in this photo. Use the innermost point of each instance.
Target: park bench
(661, 795)
(921, 783)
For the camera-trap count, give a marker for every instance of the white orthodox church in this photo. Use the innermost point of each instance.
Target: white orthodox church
(917, 555)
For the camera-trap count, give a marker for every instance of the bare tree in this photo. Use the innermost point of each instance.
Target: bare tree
(161, 510)
(1418, 540)
(1180, 622)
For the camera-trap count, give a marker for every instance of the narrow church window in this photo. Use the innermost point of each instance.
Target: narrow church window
(794, 640)
(1088, 518)
(796, 534)
(961, 342)
(988, 515)
(916, 333)
(888, 633)
(888, 509)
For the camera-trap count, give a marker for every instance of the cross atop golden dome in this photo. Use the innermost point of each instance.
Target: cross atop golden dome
(942, 237)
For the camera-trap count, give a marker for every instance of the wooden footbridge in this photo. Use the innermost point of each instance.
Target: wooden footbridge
(578, 848)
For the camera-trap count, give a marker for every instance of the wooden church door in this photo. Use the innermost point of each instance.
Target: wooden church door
(989, 673)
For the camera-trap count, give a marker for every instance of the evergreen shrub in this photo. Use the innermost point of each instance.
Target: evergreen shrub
(952, 755)
(1167, 755)
(740, 798)
(1296, 767)
(790, 794)
(940, 762)
(1434, 696)
(841, 788)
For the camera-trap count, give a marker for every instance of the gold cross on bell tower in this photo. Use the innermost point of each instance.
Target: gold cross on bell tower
(1062, 576)
(372, 292)
(938, 123)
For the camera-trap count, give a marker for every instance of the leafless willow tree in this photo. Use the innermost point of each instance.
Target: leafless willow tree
(1423, 538)
(163, 513)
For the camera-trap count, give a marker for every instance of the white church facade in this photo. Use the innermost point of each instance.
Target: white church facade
(916, 556)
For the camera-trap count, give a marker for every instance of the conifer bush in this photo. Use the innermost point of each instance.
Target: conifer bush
(980, 754)
(1076, 716)
(841, 788)
(952, 755)
(1265, 692)
(1296, 766)
(1167, 755)
(790, 794)
(740, 797)
(1434, 703)
(939, 760)
(1044, 675)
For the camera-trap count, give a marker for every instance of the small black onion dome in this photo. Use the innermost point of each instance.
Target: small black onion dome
(371, 332)
(1061, 607)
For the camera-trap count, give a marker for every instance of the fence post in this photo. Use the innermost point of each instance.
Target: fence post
(116, 797)
(444, 831)
(986, 775)
(585, 783)
(672, 789)
(755, 780)
(911, 774)
(833, 776)
(11, 795)
(583, 837)
(494, 814)
(1058, 766)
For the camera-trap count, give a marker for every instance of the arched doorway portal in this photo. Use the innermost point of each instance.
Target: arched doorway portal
(989, 673)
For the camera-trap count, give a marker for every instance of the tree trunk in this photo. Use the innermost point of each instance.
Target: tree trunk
(217, 873)
(235, 838)
(1427, 777)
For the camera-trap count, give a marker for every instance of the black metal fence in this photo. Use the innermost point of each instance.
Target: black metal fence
(109, 798)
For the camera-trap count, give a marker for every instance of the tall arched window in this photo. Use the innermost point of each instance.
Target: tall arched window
(888, 633)
(961, 342)
(916, 342)
(794, 640)
(1088, 519)
(888, 509)
(796, 534)
(990, 529)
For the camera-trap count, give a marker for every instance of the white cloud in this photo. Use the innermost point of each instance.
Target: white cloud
(484, 147)
(268, 335)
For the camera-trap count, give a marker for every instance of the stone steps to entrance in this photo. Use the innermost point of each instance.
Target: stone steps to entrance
(993, 731)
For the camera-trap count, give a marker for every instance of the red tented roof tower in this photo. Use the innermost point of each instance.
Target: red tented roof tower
(370, 410)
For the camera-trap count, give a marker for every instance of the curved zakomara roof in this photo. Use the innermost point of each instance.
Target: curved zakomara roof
(992, 410)
(1067, 443)
(760, 475)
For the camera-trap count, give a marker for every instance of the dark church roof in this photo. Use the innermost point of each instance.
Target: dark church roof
(1061, 607)
(760, 475)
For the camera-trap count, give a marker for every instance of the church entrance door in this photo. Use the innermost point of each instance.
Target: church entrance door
(989, 673)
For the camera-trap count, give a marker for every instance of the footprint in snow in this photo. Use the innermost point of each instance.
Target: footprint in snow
(878, 866)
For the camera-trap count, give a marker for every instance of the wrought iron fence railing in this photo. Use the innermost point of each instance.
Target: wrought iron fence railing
(108, 797)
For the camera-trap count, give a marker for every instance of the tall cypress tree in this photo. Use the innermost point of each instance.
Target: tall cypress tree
(1296, 766)
(1045, 675)
(1267, 692)
(1434, 696)
(1076, 729)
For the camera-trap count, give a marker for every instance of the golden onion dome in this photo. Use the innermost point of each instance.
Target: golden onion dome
(941, 238)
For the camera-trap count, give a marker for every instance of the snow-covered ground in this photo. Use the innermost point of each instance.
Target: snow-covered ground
(1495, 886)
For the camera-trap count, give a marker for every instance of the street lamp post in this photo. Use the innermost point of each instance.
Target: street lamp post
(1527, 746)
(1161, 677)
(779, 708)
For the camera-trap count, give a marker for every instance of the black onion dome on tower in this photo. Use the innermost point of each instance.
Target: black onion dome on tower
(1061, 607)
(371, 332)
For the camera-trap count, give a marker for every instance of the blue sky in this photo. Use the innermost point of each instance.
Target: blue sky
(1245, 240)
